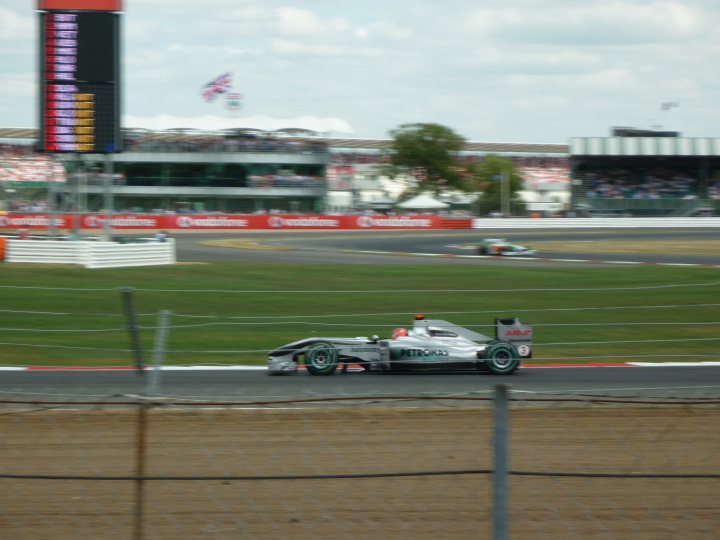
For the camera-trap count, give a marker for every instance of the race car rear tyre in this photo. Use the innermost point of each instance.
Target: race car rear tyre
(321, 359)
(502, 358)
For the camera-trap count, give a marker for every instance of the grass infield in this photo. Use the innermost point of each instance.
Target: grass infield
(232, 313)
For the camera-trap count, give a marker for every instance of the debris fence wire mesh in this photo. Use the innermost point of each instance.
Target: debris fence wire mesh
(361, 468)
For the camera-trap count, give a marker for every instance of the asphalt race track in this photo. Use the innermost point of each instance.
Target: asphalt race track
(397, 247)
(692, 382)
(426, 247)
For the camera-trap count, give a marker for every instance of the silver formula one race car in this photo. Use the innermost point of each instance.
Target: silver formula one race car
(429, 345)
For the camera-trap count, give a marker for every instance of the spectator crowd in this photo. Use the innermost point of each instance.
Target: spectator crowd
(714, 189)
(19, 163)
(653, 183)
(537, 172)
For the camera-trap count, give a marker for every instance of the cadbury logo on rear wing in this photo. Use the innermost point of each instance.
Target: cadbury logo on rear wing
(516, 333)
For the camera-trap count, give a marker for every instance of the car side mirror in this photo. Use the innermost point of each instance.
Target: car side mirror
(374, 338)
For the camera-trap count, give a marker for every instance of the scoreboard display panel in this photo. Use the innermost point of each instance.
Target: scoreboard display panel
(80, 82)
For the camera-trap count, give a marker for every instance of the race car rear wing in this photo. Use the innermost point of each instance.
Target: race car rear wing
(515, 332)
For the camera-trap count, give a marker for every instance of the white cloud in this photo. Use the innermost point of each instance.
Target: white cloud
(15, 25)
(205, 51)
(300, 48)
(304, 23)
(513, 70)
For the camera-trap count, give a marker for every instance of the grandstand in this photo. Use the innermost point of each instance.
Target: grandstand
(645, 174)
(292, 171)
(246, 171)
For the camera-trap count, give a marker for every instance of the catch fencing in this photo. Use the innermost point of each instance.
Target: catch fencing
(581, 463)
(501, 464)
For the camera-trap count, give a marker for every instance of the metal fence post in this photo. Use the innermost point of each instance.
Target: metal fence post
(127, 298)
(501, 465)
(140, 472)
(153, 383)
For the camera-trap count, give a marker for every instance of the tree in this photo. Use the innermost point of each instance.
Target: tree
(430, 151)
(487, 176)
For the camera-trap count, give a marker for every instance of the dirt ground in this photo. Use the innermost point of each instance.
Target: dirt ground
(225, 442)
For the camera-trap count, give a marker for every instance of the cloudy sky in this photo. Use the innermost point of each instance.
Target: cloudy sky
(492, 70)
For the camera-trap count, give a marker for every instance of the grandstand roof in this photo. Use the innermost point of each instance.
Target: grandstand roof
(644, 146)
(361, 144)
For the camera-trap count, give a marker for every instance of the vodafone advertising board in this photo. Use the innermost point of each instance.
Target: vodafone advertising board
(300, 222)
(32, 221)
(221, 221)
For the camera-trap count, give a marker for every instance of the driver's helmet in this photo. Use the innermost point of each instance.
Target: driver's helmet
(399, 332)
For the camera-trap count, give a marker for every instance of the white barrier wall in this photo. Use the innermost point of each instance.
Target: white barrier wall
(91, 254)
(595, 223)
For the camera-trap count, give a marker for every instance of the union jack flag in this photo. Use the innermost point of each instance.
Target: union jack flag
(217, 86)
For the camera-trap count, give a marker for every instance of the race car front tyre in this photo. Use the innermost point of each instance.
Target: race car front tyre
(321, 358)
(502, 358)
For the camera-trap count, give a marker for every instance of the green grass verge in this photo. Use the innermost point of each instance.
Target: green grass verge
(65, 315)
